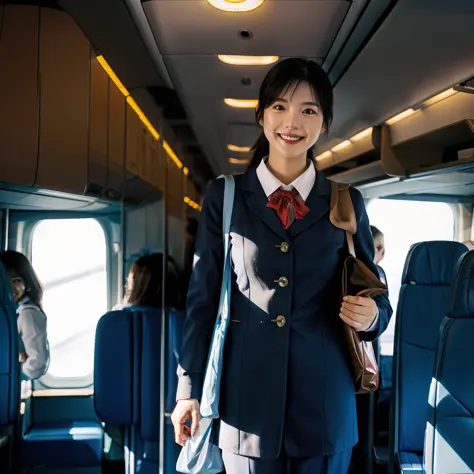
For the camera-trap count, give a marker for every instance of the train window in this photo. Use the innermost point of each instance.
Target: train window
(404, 223)
(70, 258)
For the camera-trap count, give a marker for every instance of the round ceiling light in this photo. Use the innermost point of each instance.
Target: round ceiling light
(236, 5)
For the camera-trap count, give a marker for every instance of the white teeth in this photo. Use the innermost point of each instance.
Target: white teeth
(286, 137)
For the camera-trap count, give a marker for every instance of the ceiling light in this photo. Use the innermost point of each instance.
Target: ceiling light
(248, 60)
(236, 161)
(341, 146)
(401, 116)
(323, 156)
(236, 5)
(242, 103)
(239, 149)
(439, 97)
(362, 135)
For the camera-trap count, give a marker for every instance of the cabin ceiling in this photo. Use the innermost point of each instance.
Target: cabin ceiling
(383, 56)
(191, 34)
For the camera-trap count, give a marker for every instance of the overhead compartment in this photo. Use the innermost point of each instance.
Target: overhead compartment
(19, 111)
(116, 144)
(67, 124)
(98, 128)
(431, 138)
(354, 161)
(64, 64)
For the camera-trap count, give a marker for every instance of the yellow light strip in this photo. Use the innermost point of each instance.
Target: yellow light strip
(235, 5)
(341, 146)
(362, 135)
(143, 118)
(239, 149)
(172, 155)
(248, 60)
(401, 116)
(440, 97)
(242, 103)
(113, 76)
(323, 156)
(192, 204)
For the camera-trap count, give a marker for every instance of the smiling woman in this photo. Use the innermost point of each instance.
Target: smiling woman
(287, 389)
(295, 99)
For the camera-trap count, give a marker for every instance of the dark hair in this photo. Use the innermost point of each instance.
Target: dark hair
(375, 232)
(147, 276)
(284, 75)
(17, 263)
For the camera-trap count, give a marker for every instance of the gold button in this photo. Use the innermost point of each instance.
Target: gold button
(284, 247)
(282, 281)
(280, 321)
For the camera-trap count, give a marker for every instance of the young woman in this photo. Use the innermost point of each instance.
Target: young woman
(379, 249)
(287, 395)
(144, 283)
(32, 323)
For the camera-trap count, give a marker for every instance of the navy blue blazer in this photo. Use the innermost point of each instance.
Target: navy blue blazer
(286, 379)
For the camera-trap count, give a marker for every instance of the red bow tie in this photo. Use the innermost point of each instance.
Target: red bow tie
(280, 201)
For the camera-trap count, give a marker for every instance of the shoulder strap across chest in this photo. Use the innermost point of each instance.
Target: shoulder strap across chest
(342, 214)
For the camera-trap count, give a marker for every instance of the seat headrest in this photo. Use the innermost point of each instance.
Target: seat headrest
(463, 288)
(432, 263)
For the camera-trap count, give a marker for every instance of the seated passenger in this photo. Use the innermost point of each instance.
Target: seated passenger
(379, 245)
(144, 284)
(143, 288)
(32, 321)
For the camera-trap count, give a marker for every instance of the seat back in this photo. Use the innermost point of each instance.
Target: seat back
(127, 380)
(424, 300)
(9, 363)
(449, 443)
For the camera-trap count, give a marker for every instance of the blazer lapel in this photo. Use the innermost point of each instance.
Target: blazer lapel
(257, 202)
(318, 203)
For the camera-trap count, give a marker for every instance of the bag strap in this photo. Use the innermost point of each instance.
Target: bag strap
(227, 208)
(342, 214)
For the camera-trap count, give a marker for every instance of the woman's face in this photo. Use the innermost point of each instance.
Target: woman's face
(293, 123)
(18, 287)
(379, 245)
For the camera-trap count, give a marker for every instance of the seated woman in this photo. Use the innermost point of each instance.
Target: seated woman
(32, 321)
(144, 286)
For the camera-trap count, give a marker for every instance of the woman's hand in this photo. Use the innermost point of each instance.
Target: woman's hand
(23, 357)
(358, 312)
(185, 410)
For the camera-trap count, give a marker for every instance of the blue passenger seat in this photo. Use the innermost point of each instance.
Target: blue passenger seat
(449, 442)
(127, 382)
(9, 367)
(65, 445)
(424, 300)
